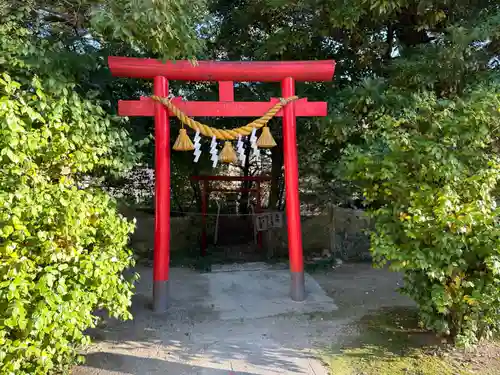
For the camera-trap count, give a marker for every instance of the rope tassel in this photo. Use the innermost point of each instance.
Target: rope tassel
(266, 139)
(228, 155)
(183, 143)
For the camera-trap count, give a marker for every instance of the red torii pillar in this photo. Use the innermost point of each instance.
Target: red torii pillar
(225, 73)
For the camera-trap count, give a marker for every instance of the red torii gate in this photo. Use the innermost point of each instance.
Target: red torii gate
(225, 73)
(206, 190)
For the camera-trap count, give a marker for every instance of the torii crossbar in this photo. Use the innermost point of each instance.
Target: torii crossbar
(225, 73)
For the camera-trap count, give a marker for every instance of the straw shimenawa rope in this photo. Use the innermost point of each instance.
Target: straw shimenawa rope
(224, 134)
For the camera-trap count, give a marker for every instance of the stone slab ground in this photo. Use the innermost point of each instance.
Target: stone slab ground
(225, 322)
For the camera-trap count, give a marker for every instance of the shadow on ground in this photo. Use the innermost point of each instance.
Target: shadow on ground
(218, 322)
(129, 364)
(168, 342)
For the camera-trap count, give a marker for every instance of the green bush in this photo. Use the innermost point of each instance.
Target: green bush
(433, 168)
(63, 247)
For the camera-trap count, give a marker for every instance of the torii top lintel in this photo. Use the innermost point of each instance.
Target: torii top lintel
(239, 71)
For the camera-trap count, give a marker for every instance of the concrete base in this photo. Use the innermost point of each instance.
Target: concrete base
(258, 294)
(160, 296)
(241, 294)
(297, 287)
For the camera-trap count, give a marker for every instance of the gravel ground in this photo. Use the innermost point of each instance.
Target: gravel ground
(198, 338)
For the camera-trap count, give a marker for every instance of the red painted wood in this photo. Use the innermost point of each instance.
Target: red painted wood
(145, 107)
(162, 185)
(240, 71)
(230, 178)
(226, 91)
(292, 180)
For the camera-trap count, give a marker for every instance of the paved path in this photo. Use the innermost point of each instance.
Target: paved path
(239, 322)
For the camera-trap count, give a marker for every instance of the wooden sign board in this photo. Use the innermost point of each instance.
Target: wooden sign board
(268, 220)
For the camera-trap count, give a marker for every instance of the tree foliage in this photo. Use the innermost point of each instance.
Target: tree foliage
(434, 166)
(63, 247)
(167, 29)
(426, 158)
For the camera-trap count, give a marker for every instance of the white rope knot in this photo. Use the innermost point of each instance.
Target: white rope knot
(283, 101)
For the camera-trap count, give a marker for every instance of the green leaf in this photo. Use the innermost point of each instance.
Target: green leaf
(7, 230)
(11, 155)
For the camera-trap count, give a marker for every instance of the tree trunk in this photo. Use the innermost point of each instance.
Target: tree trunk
(276, 176)
(390, 41)
(245, 184)
(281, 196)
(195, 185)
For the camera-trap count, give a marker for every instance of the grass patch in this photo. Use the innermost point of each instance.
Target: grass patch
(376, 361)
(391, 343)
